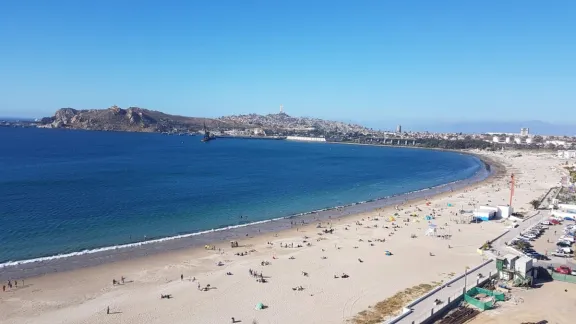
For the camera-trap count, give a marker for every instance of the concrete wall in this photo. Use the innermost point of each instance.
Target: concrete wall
(407, 311)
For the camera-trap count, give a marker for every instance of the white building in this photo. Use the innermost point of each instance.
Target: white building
(504, 211)
(508, 140)
(259, 131)
(529, 140)
(519, 269)
(569, 208)
(485, 213)
(518, 140)
(496, 139)
(306, 139)
(524, 131)
(567, 154)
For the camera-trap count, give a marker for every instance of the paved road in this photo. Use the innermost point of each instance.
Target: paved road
(499, 244)
(423, 309)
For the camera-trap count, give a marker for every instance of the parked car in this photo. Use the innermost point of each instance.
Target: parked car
(546, 223)
(541, 257)
(563, 270)
(567, 238)
(563, 244)
(562, 254)
(554, 222)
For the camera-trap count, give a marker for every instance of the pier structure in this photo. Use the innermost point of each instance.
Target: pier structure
(399, 141)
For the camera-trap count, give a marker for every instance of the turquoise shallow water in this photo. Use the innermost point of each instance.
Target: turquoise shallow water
(63, 191)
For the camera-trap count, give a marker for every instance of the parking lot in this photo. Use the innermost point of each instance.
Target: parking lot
(543, 243)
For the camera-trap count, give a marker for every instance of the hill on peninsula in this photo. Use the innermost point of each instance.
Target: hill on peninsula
(135, 119)
(132, 119)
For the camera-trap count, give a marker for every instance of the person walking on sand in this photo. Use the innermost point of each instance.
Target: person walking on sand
(108, 310)
(181, 277)
(4, 288)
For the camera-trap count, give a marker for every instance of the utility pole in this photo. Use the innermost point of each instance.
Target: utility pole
(465, 279)
(512, 182)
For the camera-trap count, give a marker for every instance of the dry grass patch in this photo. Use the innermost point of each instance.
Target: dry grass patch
(393, 305)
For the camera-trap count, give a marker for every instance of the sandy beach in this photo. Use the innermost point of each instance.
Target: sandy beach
(309, 257)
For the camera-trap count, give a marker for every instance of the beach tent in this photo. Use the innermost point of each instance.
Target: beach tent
(391, 219)
(429, 217)
(449, 205)
(259, 306)
(431, 231)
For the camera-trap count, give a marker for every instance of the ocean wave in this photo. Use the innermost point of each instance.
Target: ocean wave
(129, 245)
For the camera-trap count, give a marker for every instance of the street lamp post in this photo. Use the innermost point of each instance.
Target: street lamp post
(465, 280)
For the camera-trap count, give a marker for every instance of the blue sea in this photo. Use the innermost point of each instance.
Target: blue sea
(64, 191)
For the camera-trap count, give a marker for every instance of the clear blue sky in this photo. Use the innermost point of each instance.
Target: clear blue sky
(348, 60)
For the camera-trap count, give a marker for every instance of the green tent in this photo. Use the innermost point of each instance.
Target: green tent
(259, 306)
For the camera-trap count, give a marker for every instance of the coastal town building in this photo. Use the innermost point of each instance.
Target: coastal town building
(556, 143)
(567, 154)
(519, 269)
(524, 131)
(485, 213)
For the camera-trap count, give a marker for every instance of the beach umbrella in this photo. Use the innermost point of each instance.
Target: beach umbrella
(259, 306)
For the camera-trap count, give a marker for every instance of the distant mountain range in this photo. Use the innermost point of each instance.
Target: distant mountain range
(136, 119)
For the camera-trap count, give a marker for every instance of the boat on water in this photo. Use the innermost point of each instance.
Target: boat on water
(206, 137)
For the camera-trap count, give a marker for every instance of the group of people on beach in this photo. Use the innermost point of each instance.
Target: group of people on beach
(118, 282)
(259, 276)
(10, 285)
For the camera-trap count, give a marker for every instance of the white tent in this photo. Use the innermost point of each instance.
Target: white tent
(431, 231)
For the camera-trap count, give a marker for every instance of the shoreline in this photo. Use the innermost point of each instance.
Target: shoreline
(35, 267)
